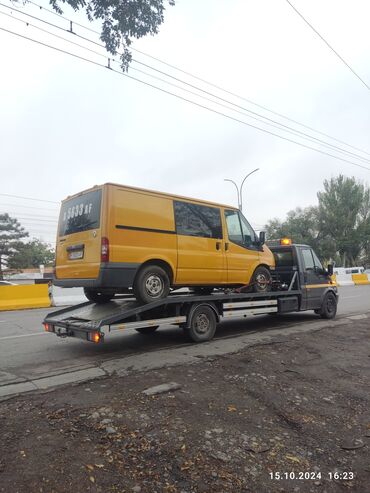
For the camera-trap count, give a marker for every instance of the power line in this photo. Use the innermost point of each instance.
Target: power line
(274, 123)
(18, 196)
(28, 24)
(2, 204)
(35, 216)
(35, 220)
(182, 98)
(327, 44)
(199, 78)
(270, 122)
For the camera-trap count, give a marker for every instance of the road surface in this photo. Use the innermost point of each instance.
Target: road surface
(27, 352)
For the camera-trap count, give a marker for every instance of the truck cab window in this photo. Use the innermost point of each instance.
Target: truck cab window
(307, 258)
(283, 258)
(317, 261)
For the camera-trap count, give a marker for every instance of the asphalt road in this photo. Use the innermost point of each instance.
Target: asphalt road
(27, 352)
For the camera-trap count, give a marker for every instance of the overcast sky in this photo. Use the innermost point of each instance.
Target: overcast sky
(67, 125)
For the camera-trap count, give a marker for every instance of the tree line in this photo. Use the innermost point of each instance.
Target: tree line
(338, 228)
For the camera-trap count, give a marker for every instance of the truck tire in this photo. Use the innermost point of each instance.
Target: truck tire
(328, 308)
(147, 330)
(261, 280)
(203, 324)
(151, 284)
(96, 296)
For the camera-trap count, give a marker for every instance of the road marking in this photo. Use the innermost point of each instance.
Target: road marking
(349, 297)
(23, 335)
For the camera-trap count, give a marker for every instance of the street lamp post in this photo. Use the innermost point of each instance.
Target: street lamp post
(240, 190)
(237, 190)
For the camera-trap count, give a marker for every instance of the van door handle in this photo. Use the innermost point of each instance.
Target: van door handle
(218, 245)
(226, 246)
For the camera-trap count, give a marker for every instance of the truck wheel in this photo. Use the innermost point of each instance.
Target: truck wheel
(329, 306)
(261, 280)
(203, 324)
(147, 330)
(97, 296)
(151, 284)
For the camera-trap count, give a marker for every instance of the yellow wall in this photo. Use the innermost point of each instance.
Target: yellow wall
(26, 296)
(360, 279)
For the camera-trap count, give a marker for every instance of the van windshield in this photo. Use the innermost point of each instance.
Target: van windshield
(80, 213)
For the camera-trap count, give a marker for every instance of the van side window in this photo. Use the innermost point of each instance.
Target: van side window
(239, 230)
(248, 234)
(197, 220)
(307, 258)
(234, 228)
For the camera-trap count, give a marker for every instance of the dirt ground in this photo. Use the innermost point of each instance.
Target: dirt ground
(261, 420)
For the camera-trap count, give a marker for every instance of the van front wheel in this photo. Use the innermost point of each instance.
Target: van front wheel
(96, 296)
(261, 280)
(151, 284)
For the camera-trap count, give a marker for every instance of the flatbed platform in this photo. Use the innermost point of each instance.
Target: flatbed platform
(126, 312)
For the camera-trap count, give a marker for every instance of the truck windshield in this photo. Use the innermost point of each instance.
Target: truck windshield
(80, 213)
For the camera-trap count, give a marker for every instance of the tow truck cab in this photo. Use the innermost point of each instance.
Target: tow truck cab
(299, 268)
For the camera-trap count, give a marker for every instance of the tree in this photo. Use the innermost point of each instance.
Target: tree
(344, 215)
(31, 254)
(122, 20)
(338, 228)
(303, 226)
(10, 234)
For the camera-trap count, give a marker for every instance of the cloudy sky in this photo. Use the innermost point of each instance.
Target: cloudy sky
(67, 125)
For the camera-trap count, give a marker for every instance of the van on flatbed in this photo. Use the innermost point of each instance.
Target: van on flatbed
(112, 238)
(300, 283)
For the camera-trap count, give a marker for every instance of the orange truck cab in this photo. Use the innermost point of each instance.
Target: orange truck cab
(113, 237)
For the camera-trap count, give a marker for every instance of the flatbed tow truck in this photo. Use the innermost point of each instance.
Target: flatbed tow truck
(299, 283)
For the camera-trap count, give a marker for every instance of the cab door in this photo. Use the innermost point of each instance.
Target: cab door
(200, 250)
(241, 250)
(315, 279)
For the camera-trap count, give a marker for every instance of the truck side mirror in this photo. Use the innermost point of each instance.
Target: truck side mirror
(330, 269)
(262, 237)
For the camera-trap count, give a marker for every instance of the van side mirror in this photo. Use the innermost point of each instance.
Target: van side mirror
(330, 269)
(262, 237)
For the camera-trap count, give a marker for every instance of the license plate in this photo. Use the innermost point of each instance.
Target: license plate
(75, 254)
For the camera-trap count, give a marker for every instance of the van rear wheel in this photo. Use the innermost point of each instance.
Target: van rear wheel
(96, 296)
(151, 284)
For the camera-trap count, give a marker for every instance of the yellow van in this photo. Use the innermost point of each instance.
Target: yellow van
(113, 237)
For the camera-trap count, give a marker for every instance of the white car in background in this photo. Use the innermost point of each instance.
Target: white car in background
(6, 283)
